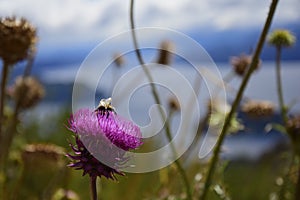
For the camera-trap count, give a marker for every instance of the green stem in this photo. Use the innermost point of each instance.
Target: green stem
(157, 101)
(237, 100)
(279, 86)
(93, 187)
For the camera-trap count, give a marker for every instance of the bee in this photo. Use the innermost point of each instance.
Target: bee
(105, 107)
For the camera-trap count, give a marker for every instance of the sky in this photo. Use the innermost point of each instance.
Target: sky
(74, 22)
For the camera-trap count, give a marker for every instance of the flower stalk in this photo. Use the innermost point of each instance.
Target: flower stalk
(253, 65)
(157, 101)
(279, 86)
(93, 185)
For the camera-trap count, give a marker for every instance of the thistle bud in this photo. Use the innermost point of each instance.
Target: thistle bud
(258, 108)
(27, 91)
(165, 50)
(17, 39)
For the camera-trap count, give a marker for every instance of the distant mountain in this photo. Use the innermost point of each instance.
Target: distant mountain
(220, 44)
(61, 94)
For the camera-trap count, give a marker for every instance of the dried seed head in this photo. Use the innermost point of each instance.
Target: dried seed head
(118, 59)
(241, 63)
(27, 92)
(42, 155)
(174, 104)
(17, 39)
(165, 50)
(258, 108)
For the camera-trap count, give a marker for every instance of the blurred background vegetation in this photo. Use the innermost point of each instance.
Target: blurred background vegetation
(35, 110)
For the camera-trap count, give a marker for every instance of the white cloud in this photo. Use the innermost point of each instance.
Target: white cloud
(86, 20)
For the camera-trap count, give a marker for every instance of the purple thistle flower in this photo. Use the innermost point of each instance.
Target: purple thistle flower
(105, 136)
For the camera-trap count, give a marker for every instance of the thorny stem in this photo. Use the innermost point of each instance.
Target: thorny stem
(237, 100)
(93, 186)
(157, 101)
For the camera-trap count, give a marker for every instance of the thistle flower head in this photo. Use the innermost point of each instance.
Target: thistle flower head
(105, 136)
(17, 39)
(281, 38)
(27, 91)
(241, 63)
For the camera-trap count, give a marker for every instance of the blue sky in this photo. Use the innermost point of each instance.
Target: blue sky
(74, 23)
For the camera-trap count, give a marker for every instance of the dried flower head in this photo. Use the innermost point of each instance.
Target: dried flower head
(281, 38)
(42, 155)
(293, 129)
(258, 108)
(43, 165)
(102, 140)
(165, 50)
(27, 91)
(174, 104)
(17, 39)
(118, 59)
(241, 63)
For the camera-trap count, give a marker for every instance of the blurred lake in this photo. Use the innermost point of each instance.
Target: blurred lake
(250, 143)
